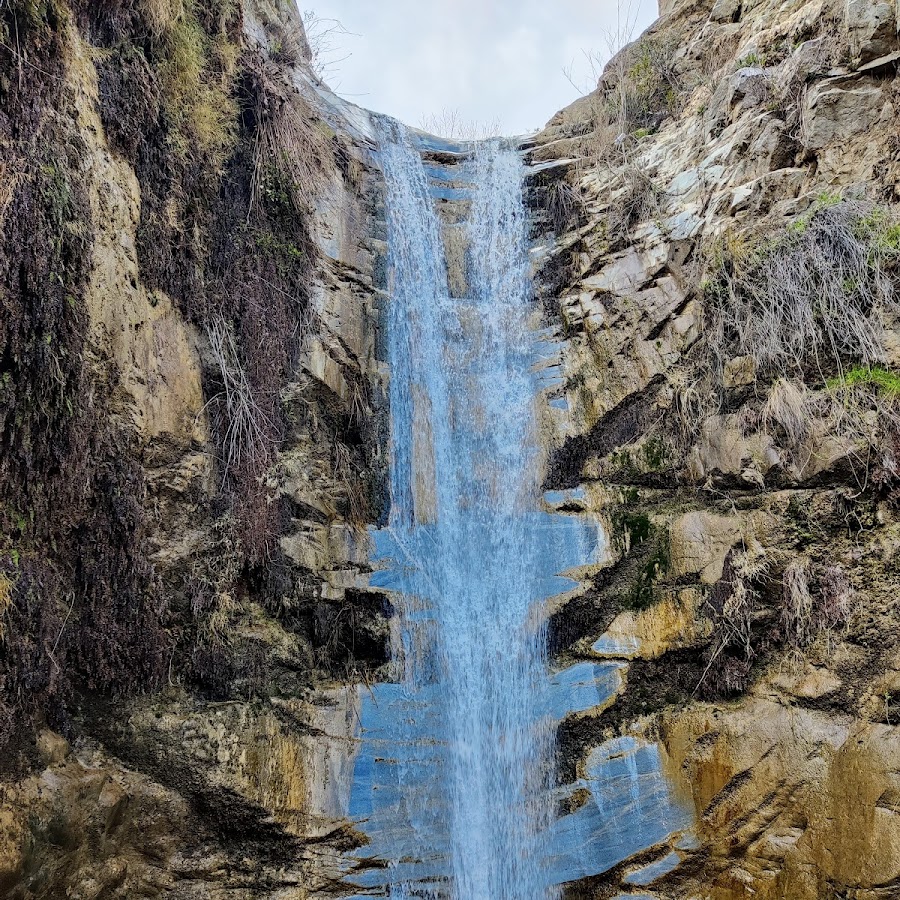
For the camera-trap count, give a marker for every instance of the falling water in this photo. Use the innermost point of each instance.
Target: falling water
(465, 488)
(452, 780)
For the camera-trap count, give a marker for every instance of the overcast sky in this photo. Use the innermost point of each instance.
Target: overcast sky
(492, 60)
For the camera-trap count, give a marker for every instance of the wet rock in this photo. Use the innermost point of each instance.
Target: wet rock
(671, 624)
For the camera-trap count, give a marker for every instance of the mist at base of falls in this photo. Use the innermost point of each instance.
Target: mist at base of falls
(454, 779)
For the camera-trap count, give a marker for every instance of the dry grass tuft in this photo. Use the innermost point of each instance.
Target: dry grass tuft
(162, 15)
(292, 144)
(196, 73)
(787, 411)
(838, 597)
(812, 298)
(564, 205)
(797, 605)
(9, 182)
(694, 400)
(637, 199)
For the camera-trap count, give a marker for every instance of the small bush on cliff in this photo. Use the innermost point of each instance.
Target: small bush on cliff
(811, 299)
(639, 89)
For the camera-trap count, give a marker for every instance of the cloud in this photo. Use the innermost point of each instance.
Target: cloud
(492, 60)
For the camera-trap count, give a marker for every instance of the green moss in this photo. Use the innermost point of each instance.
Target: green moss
(886, 381)
(642, 592)
(655, 453)
(638, 526)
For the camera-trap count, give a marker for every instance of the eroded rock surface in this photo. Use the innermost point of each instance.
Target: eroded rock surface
(735, 536)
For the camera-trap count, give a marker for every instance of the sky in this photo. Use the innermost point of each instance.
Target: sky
(499, 64)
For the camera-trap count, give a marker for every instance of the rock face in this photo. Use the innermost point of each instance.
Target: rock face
(760, 623)
(222, 342)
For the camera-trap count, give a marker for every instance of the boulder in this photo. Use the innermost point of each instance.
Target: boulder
(871, 28)
(838, 109)
(726, 11)
(699, 542)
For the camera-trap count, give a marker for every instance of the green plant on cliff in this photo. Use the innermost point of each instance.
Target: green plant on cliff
(196, 71)
(650, 88)
(640, 88)
(886, 381)
(185, 55)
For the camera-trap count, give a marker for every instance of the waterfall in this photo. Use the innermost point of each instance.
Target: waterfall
(465, 478)
(453, 782)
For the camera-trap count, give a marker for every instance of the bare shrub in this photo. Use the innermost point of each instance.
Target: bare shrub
(734, 605)
(813, 297)
(320, 44)
(211, 586)
(695, 399)
(246, 431)
(736, 602)
(292, 144)
(344, 472)
(452, 124)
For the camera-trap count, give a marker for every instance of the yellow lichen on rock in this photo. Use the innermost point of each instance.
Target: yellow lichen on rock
(673, 622)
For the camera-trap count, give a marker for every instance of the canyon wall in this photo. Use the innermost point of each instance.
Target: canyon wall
(718, 249)
(190, 287)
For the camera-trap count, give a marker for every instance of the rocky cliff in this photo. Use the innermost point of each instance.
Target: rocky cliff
(189, 280)
(719, 250)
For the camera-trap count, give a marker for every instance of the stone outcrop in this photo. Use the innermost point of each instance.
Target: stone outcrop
(226, 780)
(732, 534)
